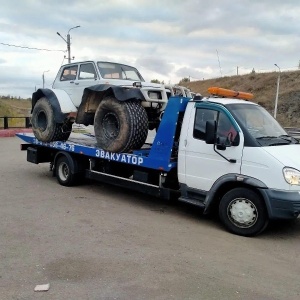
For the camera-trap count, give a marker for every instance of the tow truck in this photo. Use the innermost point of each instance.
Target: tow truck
(222, 153)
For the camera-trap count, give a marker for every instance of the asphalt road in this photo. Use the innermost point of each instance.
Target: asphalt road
(96, 241)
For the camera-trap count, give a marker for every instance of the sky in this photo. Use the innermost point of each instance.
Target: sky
(164, 39)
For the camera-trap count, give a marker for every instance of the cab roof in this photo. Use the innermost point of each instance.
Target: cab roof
(225, 101)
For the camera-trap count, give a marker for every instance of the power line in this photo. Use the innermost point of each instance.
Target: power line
(24, 47)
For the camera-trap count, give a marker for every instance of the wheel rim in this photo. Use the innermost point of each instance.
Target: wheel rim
(242, 212)
(42, 121)
(63, 171)
(111, 126)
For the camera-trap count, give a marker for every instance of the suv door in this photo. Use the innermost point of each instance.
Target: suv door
(75, 78)
(86, 77)
(66, 79)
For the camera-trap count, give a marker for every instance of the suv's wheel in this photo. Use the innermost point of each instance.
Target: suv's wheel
(44, 126)
(120, 125)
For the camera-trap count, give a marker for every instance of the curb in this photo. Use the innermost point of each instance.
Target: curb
(12, 132)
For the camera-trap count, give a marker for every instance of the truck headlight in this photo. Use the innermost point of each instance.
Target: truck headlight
(291, 176)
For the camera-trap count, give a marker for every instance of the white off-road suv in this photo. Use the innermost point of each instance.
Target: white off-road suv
(111, 96)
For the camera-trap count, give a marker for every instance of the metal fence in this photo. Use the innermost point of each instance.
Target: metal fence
(14, 122)
(293, 131)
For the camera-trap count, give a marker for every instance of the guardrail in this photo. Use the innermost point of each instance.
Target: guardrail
(293, 131)
(14, 122)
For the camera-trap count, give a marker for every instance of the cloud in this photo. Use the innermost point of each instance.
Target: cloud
(166, 40)
(155, 64)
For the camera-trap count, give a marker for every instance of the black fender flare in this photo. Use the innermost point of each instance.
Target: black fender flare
(235, 180)
(93, 95)
(52, 98)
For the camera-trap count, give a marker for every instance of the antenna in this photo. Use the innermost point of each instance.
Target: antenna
(219, 63)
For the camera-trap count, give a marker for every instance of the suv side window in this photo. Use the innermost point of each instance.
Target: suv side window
(203, 115)
(69, 73)
(87, 71)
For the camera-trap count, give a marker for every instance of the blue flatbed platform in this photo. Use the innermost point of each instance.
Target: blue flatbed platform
(86, 145)
(160, 155)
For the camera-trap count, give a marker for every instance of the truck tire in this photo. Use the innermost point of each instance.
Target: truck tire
(243, 212)
(44, 126)
(120, 126)
(64, 174)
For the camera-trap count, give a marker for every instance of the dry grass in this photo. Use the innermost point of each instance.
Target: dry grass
(263, 86)
(14, 108)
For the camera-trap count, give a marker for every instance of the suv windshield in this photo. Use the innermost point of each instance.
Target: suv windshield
(110, 70)
(261, 125)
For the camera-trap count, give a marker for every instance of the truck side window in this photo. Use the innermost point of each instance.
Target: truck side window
(87, 71)
(69, 73)
(225, 128)
(202, 115)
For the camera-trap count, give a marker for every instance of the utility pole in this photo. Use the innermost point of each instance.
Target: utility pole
(68, 41)
(43, 77)
(219, 63)
(277, 91)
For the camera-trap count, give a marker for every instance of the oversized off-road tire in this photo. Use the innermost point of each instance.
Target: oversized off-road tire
(243, 212)
(120, 126)
(44, 126)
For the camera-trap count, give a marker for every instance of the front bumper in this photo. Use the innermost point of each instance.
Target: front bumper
(282, 204)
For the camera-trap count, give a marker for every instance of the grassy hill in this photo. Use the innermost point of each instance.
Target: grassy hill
(263, 86)
(14, 108)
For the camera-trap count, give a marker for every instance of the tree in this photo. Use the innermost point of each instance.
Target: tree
(155, 81)
(184, 80)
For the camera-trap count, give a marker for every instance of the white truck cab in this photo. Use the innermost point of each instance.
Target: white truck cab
(239, 142)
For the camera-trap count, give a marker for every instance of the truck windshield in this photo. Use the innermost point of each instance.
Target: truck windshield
(110, 70)
(261, 125)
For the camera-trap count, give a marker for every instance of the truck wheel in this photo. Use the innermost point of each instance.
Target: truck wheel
(243, 212)
(44, 126)
(64, 174)
(120, 126)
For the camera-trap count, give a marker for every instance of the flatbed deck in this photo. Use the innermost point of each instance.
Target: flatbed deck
(85, 144)
(160, 155)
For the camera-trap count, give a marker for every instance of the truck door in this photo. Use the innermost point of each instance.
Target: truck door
(204, 165)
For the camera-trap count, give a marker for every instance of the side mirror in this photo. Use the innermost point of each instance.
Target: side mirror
(210, 132)
(222, 143)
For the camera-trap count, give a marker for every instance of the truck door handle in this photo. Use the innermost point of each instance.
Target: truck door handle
(76, 83)
(185, 143)
(71, 81)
